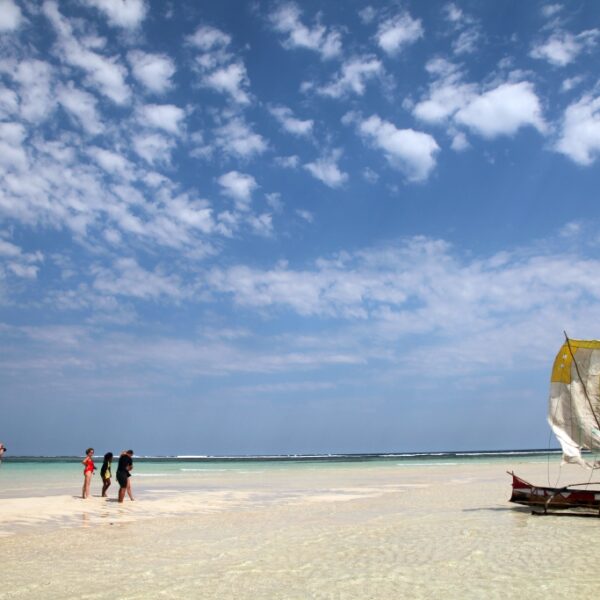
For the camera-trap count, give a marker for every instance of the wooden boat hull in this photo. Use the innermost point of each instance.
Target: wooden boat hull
(550, 498)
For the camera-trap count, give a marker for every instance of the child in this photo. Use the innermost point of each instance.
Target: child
(105, 473)
(88, 471)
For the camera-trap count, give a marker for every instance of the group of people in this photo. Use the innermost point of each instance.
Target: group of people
(124, 468)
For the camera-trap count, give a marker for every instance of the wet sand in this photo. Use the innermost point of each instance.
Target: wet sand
(351, 531)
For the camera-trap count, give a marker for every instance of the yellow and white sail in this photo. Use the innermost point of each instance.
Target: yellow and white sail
(574, 407)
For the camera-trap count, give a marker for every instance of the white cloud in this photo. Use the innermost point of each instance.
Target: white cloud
(10, 16)
(112, 162)
(421, 286)
(503, 111)
(550, 10)
(288, 162)
(104, 73)
(236, 138)
(580, 131)
(122, 13)
(571, 83)
(274, 201)
(290, 123)
(453, 13)
(562, 48)
(412, 152)
(469, 31)
(153, 148)
(571, 230)
(35, 79)
(367, 15)
(238, 186)
(80, 105)
(306, 215)
(162, 116)
(286, 19)
(9, 249)
(231, 80)
(154, 71)
(446, 95)
(261, 224)
(220, 70)
(9, 103)
(128, 278)
(192, 214)
(459, 142)
(12, 153)
(353, 77)
(370, 175)
(398, 32)
(467, 42)
(208, 38)
(22, 264)
(325, 169)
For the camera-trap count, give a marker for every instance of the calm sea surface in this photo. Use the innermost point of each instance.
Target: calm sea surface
(42, 476)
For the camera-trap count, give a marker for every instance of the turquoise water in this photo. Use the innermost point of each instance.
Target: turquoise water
(42, 476)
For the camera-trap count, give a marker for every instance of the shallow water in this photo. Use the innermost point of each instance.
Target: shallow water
(381, 529)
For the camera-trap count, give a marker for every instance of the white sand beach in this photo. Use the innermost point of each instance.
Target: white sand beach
(348, 531)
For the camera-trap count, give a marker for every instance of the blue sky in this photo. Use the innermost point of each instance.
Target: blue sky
(272, 227)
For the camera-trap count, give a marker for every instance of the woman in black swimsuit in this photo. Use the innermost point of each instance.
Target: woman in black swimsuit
(124, 473)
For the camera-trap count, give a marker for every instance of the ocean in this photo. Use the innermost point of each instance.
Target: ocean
(44, 475)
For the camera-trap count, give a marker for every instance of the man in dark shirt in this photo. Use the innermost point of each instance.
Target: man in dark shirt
(124, 474)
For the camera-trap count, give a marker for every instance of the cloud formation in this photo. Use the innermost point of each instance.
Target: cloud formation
(580, 131)
(562, 47)
(122, 13)
(394, 34)
(290, 123)
(238, 186)
(353, 77)
(326, 170)
(154, 71)
(105, 73)
(287, 20)
(412, 152)
(503, 110)
(10, 15)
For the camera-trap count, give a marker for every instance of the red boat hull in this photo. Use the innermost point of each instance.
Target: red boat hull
(550, 498)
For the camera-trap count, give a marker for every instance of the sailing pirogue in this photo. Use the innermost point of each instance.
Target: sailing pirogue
(553, 498)
(573, 414)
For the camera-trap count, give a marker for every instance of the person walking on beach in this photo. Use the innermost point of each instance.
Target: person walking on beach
(88, 471)
(2, 451)
(124, 474)
(105, 472)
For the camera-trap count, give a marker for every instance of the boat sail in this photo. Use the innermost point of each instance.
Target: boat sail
(574, 407)
(574, 416)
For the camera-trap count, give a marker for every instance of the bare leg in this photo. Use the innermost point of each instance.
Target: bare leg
(87, 479)
(105, 487)
(122, 494)
(129, 489)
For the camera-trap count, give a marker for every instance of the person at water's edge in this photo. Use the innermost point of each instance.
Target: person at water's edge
(124, 474)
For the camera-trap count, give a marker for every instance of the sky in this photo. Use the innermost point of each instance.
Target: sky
(293, 227)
